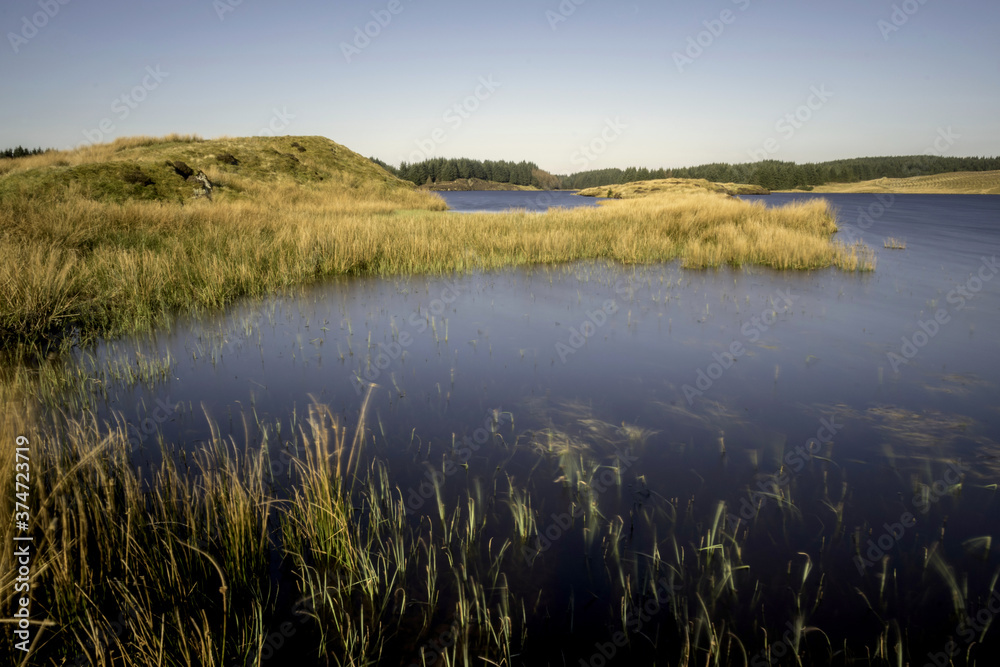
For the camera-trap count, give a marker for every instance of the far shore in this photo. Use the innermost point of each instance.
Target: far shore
(954, 183)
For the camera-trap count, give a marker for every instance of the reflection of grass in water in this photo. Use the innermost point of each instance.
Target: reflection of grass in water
(188, 544)
(958, 384)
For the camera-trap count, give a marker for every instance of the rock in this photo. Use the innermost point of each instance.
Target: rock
(181, 169)
(207, 186)
(227, 158)
(296, 144)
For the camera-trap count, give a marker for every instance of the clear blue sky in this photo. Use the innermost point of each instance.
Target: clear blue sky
(232, 67)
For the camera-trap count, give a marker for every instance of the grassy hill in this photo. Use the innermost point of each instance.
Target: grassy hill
(671, 185)
(960, 182)
(147, 169)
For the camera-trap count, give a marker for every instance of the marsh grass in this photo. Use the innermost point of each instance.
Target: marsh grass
(893, 243)
(86, 252)
(173, 563)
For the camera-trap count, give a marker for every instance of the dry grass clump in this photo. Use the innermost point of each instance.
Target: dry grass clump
(893, 243)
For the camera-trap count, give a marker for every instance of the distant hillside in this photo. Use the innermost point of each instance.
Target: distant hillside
(961, 182)
(149, 169)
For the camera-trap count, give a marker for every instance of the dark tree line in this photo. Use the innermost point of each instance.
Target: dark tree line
(21, 151)
(442, 170)
(776, 175)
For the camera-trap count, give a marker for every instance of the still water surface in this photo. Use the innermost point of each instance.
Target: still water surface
(727, 371)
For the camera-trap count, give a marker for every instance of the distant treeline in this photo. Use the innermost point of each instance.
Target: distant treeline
(771, 174)
(776, 175)
(21, 151)
(442, 170)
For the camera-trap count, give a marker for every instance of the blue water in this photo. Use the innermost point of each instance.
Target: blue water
(731, 371)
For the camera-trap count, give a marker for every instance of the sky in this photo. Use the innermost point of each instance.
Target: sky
(567, 84)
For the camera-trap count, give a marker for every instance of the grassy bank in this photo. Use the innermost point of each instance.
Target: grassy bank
(953, 183)
(114, 238)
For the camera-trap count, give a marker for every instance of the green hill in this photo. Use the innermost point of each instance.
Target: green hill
(147, 169)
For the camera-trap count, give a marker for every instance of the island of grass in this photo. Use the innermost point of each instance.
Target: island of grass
(672, 186)
(117, 237)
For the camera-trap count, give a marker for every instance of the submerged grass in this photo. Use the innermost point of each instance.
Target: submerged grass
(112, 238)
(196, 560)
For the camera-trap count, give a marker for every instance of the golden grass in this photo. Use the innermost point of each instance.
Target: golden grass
(673, 186)
(956, 183)
(72, 258)
(893, 243)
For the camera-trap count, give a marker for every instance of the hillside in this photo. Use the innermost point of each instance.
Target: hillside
(961, 182)
(145, 169)
(671, 185)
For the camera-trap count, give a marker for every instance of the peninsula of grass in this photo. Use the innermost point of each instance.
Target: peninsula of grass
(116, 238)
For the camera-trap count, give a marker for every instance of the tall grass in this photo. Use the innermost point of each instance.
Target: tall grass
(172, 564)
(74, 260)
